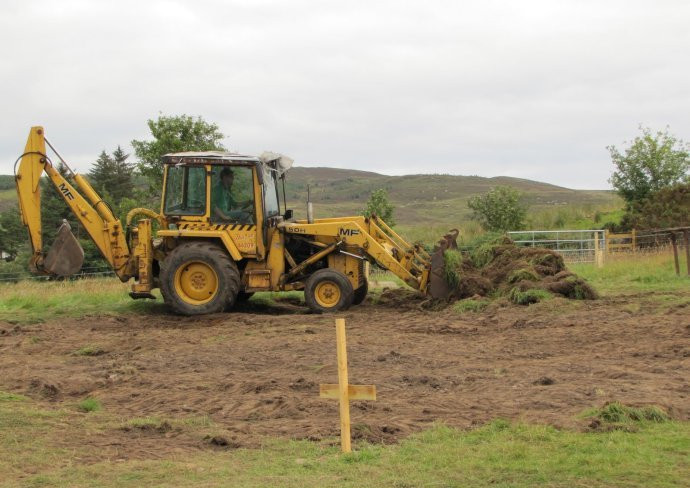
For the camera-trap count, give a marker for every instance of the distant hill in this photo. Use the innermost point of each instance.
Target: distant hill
(420, 200)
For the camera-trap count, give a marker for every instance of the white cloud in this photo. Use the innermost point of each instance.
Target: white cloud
(529, 89)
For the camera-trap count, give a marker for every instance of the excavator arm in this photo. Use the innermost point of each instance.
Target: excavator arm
(92, 212)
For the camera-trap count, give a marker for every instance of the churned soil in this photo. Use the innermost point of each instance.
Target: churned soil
(255, 373)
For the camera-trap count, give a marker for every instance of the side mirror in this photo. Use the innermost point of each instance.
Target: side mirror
(288, 215)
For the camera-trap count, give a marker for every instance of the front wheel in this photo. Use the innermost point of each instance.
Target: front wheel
(328, 291)
(199, 278)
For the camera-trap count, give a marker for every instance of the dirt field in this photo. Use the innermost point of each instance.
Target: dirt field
(255, 373)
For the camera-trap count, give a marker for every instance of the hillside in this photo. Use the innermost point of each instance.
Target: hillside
(423, 199)
(430, 201)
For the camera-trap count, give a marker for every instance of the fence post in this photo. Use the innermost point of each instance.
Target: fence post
(686, 235)
(606, 241)
(675, 253)
(634, 241)
(598, 255)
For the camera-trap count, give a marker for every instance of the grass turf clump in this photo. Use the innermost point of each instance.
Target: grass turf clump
(524, 274)
(452, 262)
(494, 266)
(570, 286)
(526, 297)
(90, 404)
(470, 305)
(618, 413)
(89, 350)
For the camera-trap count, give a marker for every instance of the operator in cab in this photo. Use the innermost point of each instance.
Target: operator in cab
(224, 206)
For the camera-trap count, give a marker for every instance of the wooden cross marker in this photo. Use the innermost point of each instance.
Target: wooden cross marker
(343, 390)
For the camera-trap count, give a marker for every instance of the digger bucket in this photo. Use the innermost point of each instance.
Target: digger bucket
(65, 256)
(438, 286)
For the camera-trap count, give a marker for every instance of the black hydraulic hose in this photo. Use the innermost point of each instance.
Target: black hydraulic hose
(26, 154)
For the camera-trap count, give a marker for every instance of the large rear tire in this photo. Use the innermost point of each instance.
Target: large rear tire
(361, 293)
(328, 291)
(199, 278)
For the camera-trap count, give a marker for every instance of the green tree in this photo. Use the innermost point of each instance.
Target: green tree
(380, 206)
(112, 175)
(499, 210)
(12, 233)
(652, 162)
(668, 207)
(174, 134)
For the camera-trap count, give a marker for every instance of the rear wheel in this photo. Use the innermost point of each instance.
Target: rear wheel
(199, 278)
(361, 293)
(328, 290)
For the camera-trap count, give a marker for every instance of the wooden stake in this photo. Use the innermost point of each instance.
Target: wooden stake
(598, 255)
(675, 253)
(344, 391)
(686, 235)
(342, 384)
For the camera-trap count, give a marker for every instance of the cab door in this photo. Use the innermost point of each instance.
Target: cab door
(232, 205)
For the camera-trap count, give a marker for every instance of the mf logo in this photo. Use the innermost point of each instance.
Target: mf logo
(348, 232)
(65, 191)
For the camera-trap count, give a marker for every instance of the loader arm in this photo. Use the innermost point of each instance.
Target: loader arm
(375, 241)
(92, 212)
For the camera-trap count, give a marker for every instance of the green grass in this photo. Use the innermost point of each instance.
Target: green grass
(528, 297)
(635, 272)
(500, 454)
(617, 413)
(35, 301)
(470, 305)
(90, 404)
(89, 351)
(452, 261)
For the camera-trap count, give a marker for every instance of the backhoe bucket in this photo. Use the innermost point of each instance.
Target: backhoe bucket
(65, 256)
(438, 286)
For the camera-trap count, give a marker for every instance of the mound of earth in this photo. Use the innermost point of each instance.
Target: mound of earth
(523, 274)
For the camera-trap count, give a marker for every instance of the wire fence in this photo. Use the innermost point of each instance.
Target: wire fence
(576, 246)
(13, 277)
(581, 246)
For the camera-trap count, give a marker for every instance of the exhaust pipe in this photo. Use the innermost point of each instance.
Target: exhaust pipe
(310, 207)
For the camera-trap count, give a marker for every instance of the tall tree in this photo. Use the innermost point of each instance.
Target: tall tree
(499, 210)
(111, 175)
(12, 233)
(652, 161)
(174, 134)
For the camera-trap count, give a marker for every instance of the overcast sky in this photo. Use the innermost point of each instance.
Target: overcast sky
(532, 89)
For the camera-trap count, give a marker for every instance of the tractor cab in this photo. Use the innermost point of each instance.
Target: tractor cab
(225, 193)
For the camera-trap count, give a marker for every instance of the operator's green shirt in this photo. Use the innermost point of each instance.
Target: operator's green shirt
(222, 199)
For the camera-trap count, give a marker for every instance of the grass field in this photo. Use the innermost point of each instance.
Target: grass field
(636, 272)
(620, 452)
(35, 301)
(632, 453)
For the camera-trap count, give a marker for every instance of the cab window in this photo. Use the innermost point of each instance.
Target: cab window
(232, 195)
(271, 194)
(185, 191)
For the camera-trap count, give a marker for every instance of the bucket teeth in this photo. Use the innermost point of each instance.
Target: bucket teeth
(65, 256)
(438, 286)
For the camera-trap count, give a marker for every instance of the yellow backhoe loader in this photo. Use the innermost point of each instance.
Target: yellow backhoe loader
(221, 236)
